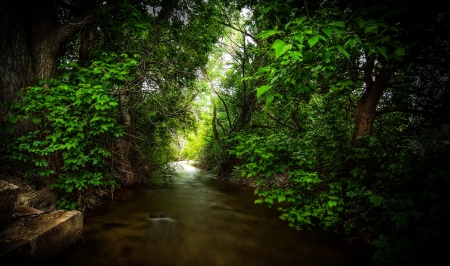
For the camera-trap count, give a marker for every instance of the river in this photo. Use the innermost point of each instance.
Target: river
(200, 220)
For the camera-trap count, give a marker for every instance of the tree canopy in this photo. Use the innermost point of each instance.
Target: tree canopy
(335, 110)
(343, 114)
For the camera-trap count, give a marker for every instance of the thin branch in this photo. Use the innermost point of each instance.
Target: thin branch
(281, 122)
(218, 95)
(63, 32)
(307, 11)
(237, 29)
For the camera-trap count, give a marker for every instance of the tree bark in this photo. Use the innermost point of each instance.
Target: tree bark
(15, 60)
(86, 42)
(365, 112)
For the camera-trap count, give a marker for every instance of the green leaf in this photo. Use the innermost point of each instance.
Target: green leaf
(295, 55)
(383, 52)
(267, 9)
(321, 37)
(400, 51)
(313, 40)
(269, 100)
(373, 29)
(36, 120)
(261, 90)
(263, 69)
(332, 203)
(327, 31)
(344, 52)
(299, 21)
(266, 33)
(14, 118)
(299, 38)
(280, 47)
(340, 24)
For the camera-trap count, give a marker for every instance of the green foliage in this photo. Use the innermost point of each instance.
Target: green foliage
(297, 147)
(65, 204)
(386, 193)
(75, 118)
(313, 53)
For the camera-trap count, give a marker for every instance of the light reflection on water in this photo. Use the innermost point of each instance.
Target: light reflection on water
(200, 220)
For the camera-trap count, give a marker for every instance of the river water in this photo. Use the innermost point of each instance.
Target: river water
(200, 220)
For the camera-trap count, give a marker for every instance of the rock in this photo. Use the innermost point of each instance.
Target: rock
(41, 199)
(8, 196)
(33, 240)
(20, 211)
(24, 199)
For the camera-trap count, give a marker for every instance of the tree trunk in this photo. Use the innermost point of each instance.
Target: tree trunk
(227, 167)
(365, 112)
(88, 35)
(15, 60)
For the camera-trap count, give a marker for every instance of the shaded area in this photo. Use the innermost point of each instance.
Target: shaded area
(200, 220)
(33, 240)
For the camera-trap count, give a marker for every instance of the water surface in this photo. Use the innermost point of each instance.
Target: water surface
(200, 220)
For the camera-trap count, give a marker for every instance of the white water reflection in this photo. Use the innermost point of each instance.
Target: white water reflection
(184, 166)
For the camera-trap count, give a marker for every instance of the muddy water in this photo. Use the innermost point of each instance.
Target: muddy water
(200, 220)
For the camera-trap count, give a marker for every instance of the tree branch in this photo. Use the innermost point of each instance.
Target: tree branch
(218, 95)
(237, 29)
(64, 32)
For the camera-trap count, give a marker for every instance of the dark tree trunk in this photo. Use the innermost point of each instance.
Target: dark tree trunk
(227, 167)
(365, 112)
(86, 42)
(16, 70)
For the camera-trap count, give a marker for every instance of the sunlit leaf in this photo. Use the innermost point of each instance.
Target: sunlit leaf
(269, 100)
(313, 40)
(280, 47)
(345, 53)
(266, 33)
(261, 90)
(327, 31)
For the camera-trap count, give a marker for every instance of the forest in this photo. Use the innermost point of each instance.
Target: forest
(336, 110)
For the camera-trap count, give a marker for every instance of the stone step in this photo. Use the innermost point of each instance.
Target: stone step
(32, 240)
(21, 211)
(8, 196)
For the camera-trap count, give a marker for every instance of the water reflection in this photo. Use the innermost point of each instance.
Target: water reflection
(200, 220)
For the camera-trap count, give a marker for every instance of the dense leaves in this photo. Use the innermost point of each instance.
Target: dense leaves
(350, 128)
(109, 114)
(336, 111)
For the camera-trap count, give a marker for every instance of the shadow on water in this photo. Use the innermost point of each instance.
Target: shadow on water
(201, 220)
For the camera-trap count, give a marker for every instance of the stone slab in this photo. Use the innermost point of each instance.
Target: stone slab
(21, 211)
(43, 199)
(8, 196)
(33, 240)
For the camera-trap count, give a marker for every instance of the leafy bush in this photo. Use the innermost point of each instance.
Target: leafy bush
(75, 122)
